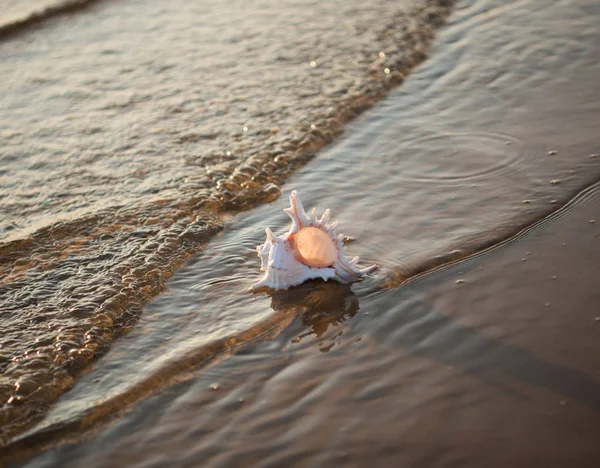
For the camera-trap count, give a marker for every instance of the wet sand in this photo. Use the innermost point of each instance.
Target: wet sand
(492, 361)
(485, 157)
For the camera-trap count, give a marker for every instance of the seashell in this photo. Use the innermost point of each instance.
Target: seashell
(311, 249)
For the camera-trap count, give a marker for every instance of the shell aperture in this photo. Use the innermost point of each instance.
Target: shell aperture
(314, 247)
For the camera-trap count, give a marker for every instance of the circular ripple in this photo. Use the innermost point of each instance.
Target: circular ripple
(461, 156)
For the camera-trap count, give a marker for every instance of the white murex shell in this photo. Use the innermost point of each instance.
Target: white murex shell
(311, 249)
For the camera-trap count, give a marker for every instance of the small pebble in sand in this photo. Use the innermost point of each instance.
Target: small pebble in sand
(592, 221)
(596, 319)
(526, 201)
(552, 153)
(554, 277)
(214, 386)
(555, 181)
(554, 202)
(547, 304)
(460, 281)
(594, 155)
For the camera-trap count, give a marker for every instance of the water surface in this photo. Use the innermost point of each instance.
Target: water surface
(489, 361)
(130, 129)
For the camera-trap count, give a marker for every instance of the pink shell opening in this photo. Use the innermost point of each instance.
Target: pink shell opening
(314, 247)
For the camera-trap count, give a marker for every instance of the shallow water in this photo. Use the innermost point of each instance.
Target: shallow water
(493, 133)
(129, 127)
(468, 366)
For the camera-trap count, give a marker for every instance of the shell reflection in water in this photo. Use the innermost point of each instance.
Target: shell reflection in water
(322, 307)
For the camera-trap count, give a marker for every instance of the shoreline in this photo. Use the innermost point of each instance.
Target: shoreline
(144, 241)
(435, 190)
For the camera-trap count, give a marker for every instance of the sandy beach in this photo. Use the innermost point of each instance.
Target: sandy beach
(146, 147)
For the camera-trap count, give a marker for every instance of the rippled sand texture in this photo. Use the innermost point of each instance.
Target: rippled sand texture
(127, 127)
(492, 361)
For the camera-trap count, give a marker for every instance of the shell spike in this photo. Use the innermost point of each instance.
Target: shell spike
(367, 270)
(296, 213)
(325, 217)
(270, 235)
(298, 208)
(313, 216)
